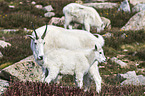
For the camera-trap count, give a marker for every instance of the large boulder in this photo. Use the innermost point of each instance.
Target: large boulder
(124, 6)
(137, 22)
(105, 5)
(25, 70)
(138, 8)
(135, 2)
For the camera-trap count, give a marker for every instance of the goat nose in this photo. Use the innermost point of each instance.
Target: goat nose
(41, 57)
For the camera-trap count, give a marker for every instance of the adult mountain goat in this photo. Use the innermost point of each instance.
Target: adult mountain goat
(87, 16)
(52, 37)
(72, 62)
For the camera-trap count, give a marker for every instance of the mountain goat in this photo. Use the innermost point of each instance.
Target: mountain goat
(52, 37)
(87, 16)
(72, 62)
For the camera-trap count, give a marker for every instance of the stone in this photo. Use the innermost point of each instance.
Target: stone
(135, 2)
(3, 86)
(132, 79)
(124, 6)
(105, 5)
(33, 2)
(106, 22)
(48, 8)
(39, 6)
(25, 70)
(4, 44)
(138, 8)
(137, 22)
(49, 14)
(117, 61)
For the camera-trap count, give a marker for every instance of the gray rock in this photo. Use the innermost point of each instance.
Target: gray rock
(137, 22)
(48, 8)
(105, 5)
(9, 30)
(49, 14)
(124, 6)
(4, 44)
(3, 86)
(39, 6)
(135, 2)
(25, 70)
(117, 61)
(138, 8)
(133, 79)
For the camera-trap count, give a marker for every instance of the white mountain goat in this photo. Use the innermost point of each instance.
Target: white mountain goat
(72, 62)
(87, 16)
(51, 37)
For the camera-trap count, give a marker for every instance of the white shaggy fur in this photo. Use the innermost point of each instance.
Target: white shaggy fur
(73, 62)
(57, 37)
(87, 16)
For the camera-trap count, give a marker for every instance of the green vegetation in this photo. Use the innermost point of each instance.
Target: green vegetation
(23, 14)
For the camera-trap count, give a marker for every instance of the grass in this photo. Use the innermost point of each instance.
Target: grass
(23, 14)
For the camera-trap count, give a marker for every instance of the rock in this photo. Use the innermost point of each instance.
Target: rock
(135, 2)
(33, 2)
(138, 8)
(106, 22)
(9, 30)
(105, 5)
(124, 6)
(48, 8)
(25, 70)
(39, 6)
(137, 22)
(49, 14)
(1, 55)
(141, 79)
(57, 21)
(11, 6)
(4, 44)
(132, 79)
(117, 61)
(3, 86)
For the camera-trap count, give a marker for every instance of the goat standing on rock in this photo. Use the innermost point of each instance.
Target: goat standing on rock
(87, 16)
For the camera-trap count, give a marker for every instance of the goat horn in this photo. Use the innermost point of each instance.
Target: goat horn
(44, 32)
(35, 31)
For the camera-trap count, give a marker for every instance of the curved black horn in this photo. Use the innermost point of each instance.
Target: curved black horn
(35, 31)
(42, 37)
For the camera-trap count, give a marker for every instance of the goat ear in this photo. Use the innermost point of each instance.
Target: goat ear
(32, 37)
(96, 48)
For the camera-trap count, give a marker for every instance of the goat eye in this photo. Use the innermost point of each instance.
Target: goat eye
(35, 43)
(100, 52)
